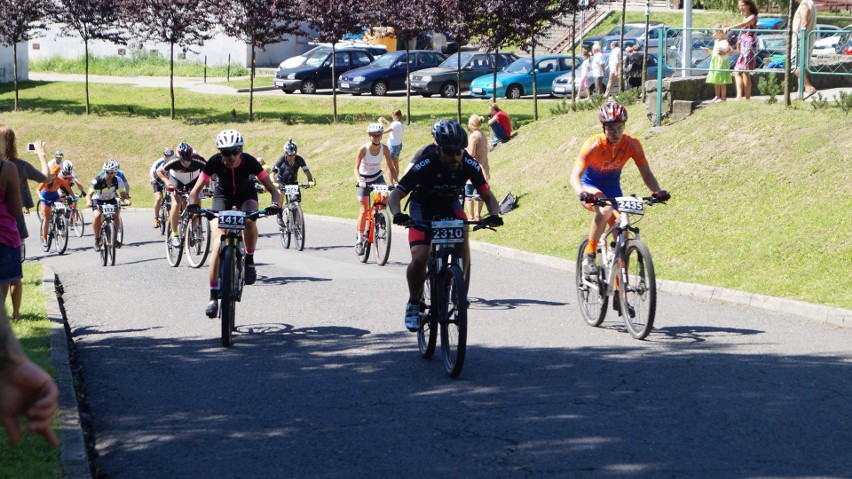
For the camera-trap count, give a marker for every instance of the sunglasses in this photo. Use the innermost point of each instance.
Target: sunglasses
(376, 135)
(451, 152)
(230, 151)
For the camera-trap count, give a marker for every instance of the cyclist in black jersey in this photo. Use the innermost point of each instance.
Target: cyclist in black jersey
(435, 182)
(287, 167)
(106, 189)
(180, 174)
(235, 189)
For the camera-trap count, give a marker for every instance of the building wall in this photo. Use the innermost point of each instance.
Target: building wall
(216, 50)
(7, 72)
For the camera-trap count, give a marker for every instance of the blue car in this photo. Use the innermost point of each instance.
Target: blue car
(387, 72)
(516, 80)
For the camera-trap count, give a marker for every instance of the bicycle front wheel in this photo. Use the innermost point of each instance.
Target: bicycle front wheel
(427, 333)
(298, 223)
(591, 291)
(284, 225)
(111, 243)
(638, 291)
(453, 311)
(60, 234)
(77, 224)
(173, 253)
(197, 241)
(227, 290)
(382, 235)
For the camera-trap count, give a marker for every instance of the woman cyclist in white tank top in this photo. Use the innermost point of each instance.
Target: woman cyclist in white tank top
(368, 171)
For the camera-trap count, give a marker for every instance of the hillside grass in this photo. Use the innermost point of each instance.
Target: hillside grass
(136, 65)
(760, 192)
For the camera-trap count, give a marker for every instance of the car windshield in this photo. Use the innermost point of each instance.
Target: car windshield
(629, 31)
(315, 57)
(521, 65)
(385, 60)
(452, 60)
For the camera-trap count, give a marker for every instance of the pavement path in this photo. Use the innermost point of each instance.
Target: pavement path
(323, 381)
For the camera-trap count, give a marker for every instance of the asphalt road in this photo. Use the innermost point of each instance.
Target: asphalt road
(324, 381)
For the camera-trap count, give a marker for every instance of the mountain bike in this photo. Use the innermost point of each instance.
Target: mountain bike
(76, 222)
(624, 270)
(163, 214)
(291, 220)
(57, 229)
(377, 229)
(231, 264)
(444, 298)
(194, 238)
(108, 232)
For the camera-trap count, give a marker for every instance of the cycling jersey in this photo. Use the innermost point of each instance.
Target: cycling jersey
(431, 183)
(289, 174)
(106, 189)
(603, 162)
(153, 172)
(184, 176)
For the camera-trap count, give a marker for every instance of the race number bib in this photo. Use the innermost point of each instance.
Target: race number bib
(232, 220)
(448, 232)
(630, 204)
(291, 190)
(108, 209)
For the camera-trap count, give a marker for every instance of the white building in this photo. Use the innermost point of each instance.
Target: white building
(7, 73)
(216, 50)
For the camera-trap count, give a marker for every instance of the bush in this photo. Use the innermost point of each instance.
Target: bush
(771, 86)
(844, 101)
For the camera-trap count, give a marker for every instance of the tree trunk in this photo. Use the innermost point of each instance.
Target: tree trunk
(573, 56)
(407, 81)
(86, 52)
(15, 71)
(621, 48)
(787, 65)
(494, 77)
(334, 83)
(172, 76)
(458, 79)
(535, 84)
(251, 84)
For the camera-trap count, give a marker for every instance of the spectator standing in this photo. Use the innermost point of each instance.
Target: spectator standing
(805, 17)
(26, 171)
(598, 69)
(395, 129)
(718, 62)
(614, 65)
(477, 147)
(633, 67)
(501, 125)
(748, 48)
(10, 238)
(585, 74)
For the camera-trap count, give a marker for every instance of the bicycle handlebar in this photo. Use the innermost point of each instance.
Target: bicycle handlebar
(650, 200)
(427, 225)
(252, 215)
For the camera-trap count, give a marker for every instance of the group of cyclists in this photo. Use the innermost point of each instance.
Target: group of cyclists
(435, 179)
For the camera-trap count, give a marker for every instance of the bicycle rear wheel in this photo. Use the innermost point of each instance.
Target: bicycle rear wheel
(591, 291)
(298, 224)
(77, 223)
(45, 245)
(60, 234)
(228, 281)
(173, 253)
(284, 226)
(453, 311)
(197, 241)
(638, 290)
(427, 333)
(382, 235)
(163, 217)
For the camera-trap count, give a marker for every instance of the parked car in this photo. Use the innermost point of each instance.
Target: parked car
(316, 72)
(700, 39)
(442, 79)
(562, 88)
(630, 30)
(607, 42)
(653, 40)
(387, 72)
(375, 51)
(826, 45)
(516, 80)
(770, 23)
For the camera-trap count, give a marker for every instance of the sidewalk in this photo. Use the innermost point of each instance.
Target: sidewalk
(213, 86)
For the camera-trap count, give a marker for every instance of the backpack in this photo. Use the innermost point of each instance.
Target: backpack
(508, 203)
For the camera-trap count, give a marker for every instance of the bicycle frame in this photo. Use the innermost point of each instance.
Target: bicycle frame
(379, 200)
(612, 261)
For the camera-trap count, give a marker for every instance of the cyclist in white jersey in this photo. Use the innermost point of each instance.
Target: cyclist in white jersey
(157, 183)
(368, 171)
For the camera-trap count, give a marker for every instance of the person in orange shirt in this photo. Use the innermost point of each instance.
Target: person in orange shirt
(49, 193)
(597, 173)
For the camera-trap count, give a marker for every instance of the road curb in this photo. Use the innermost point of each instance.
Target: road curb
(260, 88)
(72, 449)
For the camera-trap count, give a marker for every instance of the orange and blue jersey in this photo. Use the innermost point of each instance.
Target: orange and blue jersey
(602, 162)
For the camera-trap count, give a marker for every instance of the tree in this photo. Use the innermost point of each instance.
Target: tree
(258, 23)
(21, 21)
(91, 20)
(491, 20)
(332, 19)
(184, 23)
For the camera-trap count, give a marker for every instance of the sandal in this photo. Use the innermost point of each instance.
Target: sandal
(808, 94)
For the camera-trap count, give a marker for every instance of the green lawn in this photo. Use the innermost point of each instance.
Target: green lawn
(32, 458)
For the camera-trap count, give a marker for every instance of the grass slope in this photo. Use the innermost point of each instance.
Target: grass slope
(761, 193)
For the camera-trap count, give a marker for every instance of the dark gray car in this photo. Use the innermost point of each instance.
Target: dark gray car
(442, 79)
(315, 72)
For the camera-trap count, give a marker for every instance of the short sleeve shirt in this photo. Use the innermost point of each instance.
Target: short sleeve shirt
(237, 180)
(432, 184)
(603, 161)
(287, 173)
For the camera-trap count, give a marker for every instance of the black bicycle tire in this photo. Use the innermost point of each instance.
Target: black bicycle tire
(286, 234)
(299, 227)
(452, 288)
(79, 227)
(112, 247)
(61, 235)
(427, 333)
(104, 254)
(382, 235)
(163, 217)
(227, 277)
(173, 253)
(592, 318)
(632, 293)
(190, 258)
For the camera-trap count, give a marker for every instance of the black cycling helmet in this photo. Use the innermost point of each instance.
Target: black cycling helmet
(449, 134)
(290, 148)
(185, 151)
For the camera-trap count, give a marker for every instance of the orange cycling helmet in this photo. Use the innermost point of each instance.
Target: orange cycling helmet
(611, 112)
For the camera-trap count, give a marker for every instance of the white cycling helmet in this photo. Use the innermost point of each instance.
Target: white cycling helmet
(229, 139)
(66, 167)
(375, 128)
(111, 165)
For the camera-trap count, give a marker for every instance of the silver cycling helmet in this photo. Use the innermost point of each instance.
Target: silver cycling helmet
(375, 128)
(290, 148)
(168, 153)
(229, 139)
(111, 165)
(66, 167)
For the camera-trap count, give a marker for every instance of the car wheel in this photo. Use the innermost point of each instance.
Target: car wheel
(449, 90)
(309, 87)
(426, 95)
(514, 92)
(380, 88)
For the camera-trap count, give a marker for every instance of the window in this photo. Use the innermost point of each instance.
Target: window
(503, 61)
(341, 59)
(569, 63)
(360, 59)
(549, 65)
